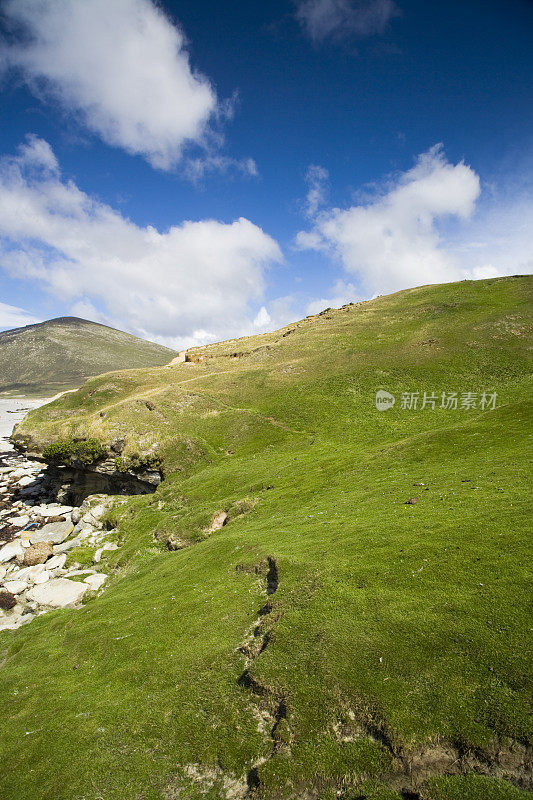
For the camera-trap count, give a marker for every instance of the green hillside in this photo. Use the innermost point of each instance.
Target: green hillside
(330, 641)
(49, 357)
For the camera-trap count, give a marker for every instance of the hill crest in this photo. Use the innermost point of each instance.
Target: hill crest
(61, 353)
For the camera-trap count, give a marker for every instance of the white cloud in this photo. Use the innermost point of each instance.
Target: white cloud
(316, 178)
(262, 319)
(281, 311)
(14, 317)
(197, 168)
(393, 242)
(497, 240)
(193, 283)
(35, 152)
(337, 19)
(342, 293)
(122, 66)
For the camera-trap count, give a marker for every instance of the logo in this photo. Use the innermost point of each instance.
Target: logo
(419, 400)
(384, 400)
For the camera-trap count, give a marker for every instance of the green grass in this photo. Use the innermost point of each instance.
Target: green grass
(476, 787)
(86, 451)
(410, 620)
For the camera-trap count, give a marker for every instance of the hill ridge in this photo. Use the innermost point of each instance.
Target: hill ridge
(391, 661)
(61, 353)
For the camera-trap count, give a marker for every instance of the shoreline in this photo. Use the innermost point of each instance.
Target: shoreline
(12, 411)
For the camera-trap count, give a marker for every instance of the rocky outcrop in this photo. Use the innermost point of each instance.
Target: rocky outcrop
(74, 477)
(36, 533)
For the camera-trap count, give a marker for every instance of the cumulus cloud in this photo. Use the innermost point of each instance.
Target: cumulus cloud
(341, 293)
(14, 317)
(338, 19)
(393, 241)
(122, 66)
(281, 311)
(193, 283)
(497, 240)
(262, 319)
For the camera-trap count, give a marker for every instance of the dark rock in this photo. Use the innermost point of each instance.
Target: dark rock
(7, 600)
(117, 445)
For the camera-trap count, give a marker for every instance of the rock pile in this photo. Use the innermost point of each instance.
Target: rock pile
(36, 534)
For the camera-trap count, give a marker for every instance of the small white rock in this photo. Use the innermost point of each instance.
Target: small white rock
(56, 510)
(25, 481)
(56, 561)
(95, 581)
(19, 522)
(8, 624)
(107, 546)
(15, 587)
(74, 572)
(18, 473)
(25, 619)
(11, 550)
(29, 574)
(63, 548)
(20, 574)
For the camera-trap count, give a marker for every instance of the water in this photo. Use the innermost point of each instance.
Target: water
(12, 410)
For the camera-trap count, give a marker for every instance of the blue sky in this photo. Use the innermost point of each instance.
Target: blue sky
(194, 171)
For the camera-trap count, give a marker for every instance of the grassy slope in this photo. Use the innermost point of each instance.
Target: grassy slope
(408, 619)
(43, 359)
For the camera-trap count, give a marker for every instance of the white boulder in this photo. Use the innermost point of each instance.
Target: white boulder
(26, 481)
(15, 587)
(63, 548)
(11, 550)
(19, 522)
(53, 532)
(56, 562)
(58, 593)
(107, 546)
(28, 574)
(56, 510)
(95, 581)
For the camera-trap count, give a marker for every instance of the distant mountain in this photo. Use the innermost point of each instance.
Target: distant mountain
(60, 354)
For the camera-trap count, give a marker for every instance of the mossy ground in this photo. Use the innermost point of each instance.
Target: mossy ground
(86, 451)
(414, 618)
